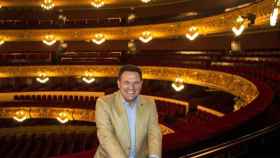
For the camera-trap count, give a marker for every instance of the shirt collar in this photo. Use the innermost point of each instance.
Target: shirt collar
(134, 102)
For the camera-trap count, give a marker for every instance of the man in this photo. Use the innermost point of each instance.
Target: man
(127, 122)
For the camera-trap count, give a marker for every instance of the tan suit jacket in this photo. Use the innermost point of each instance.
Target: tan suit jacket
(113, 130)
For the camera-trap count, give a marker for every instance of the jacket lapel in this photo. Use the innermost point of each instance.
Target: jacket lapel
(122, 116)
(139, 121)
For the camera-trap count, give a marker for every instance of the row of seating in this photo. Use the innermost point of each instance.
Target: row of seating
(190, 129)
(45, 145)
(55, 98)
(108, 21)
(198, 126)
(169, 112)
(197, 130)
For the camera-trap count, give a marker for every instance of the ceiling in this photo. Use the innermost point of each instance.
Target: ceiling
(24, 24)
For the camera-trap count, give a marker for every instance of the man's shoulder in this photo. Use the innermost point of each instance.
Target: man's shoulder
(108, 98)
(146, 99)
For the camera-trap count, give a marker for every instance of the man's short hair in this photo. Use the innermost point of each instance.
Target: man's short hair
(129, 67)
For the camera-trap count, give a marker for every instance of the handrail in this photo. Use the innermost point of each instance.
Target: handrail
(231, 143)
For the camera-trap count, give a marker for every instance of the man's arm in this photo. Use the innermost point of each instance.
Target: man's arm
(154, 134)
(105, 132)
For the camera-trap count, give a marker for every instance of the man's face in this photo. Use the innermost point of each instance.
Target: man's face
(130, 85)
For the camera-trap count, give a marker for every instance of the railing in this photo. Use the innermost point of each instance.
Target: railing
(226, 146)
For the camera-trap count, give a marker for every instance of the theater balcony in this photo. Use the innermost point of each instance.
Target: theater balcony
(213, 68)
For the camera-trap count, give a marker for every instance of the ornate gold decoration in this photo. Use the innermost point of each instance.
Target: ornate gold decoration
(208, 25)
(64, 114)
(233, 84)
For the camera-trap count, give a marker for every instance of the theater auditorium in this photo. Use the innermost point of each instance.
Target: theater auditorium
(212, 67)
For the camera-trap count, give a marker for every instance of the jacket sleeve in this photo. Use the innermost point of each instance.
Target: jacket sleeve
(105, 131)
(154, 133)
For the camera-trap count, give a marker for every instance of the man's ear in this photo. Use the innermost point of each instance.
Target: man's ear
(118, 82)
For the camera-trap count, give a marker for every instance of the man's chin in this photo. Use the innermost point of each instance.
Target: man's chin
(130, 99)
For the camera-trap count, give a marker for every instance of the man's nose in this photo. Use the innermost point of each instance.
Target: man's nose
(131, 86)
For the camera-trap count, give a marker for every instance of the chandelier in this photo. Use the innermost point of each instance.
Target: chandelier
(49, 40)
(47, 4)
(97, 3)
(88, 78)
(274, 14)
(20, 115)
(42, 78)
(146, 1)
(63, 117)
(99, 38)
(192, 33)
(2, 41)
(146, 37)
(240, 26)
(178, 85)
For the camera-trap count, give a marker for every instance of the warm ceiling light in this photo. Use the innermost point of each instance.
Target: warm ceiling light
(240, 26)
(49, 40)
(238, 31)
(146, 1)
(2, 41)
(97, 3)
(193, 33)
(273, 17)
(235, 46)
(146, 36)
(42, 78)
(99, 38)
(20, 115)
(178, 85)
(47, 4)
(88, 78)
(63, 117)
(131, 47)
(239, 19)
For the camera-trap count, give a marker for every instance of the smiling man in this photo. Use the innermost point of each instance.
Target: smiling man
(127, 122)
